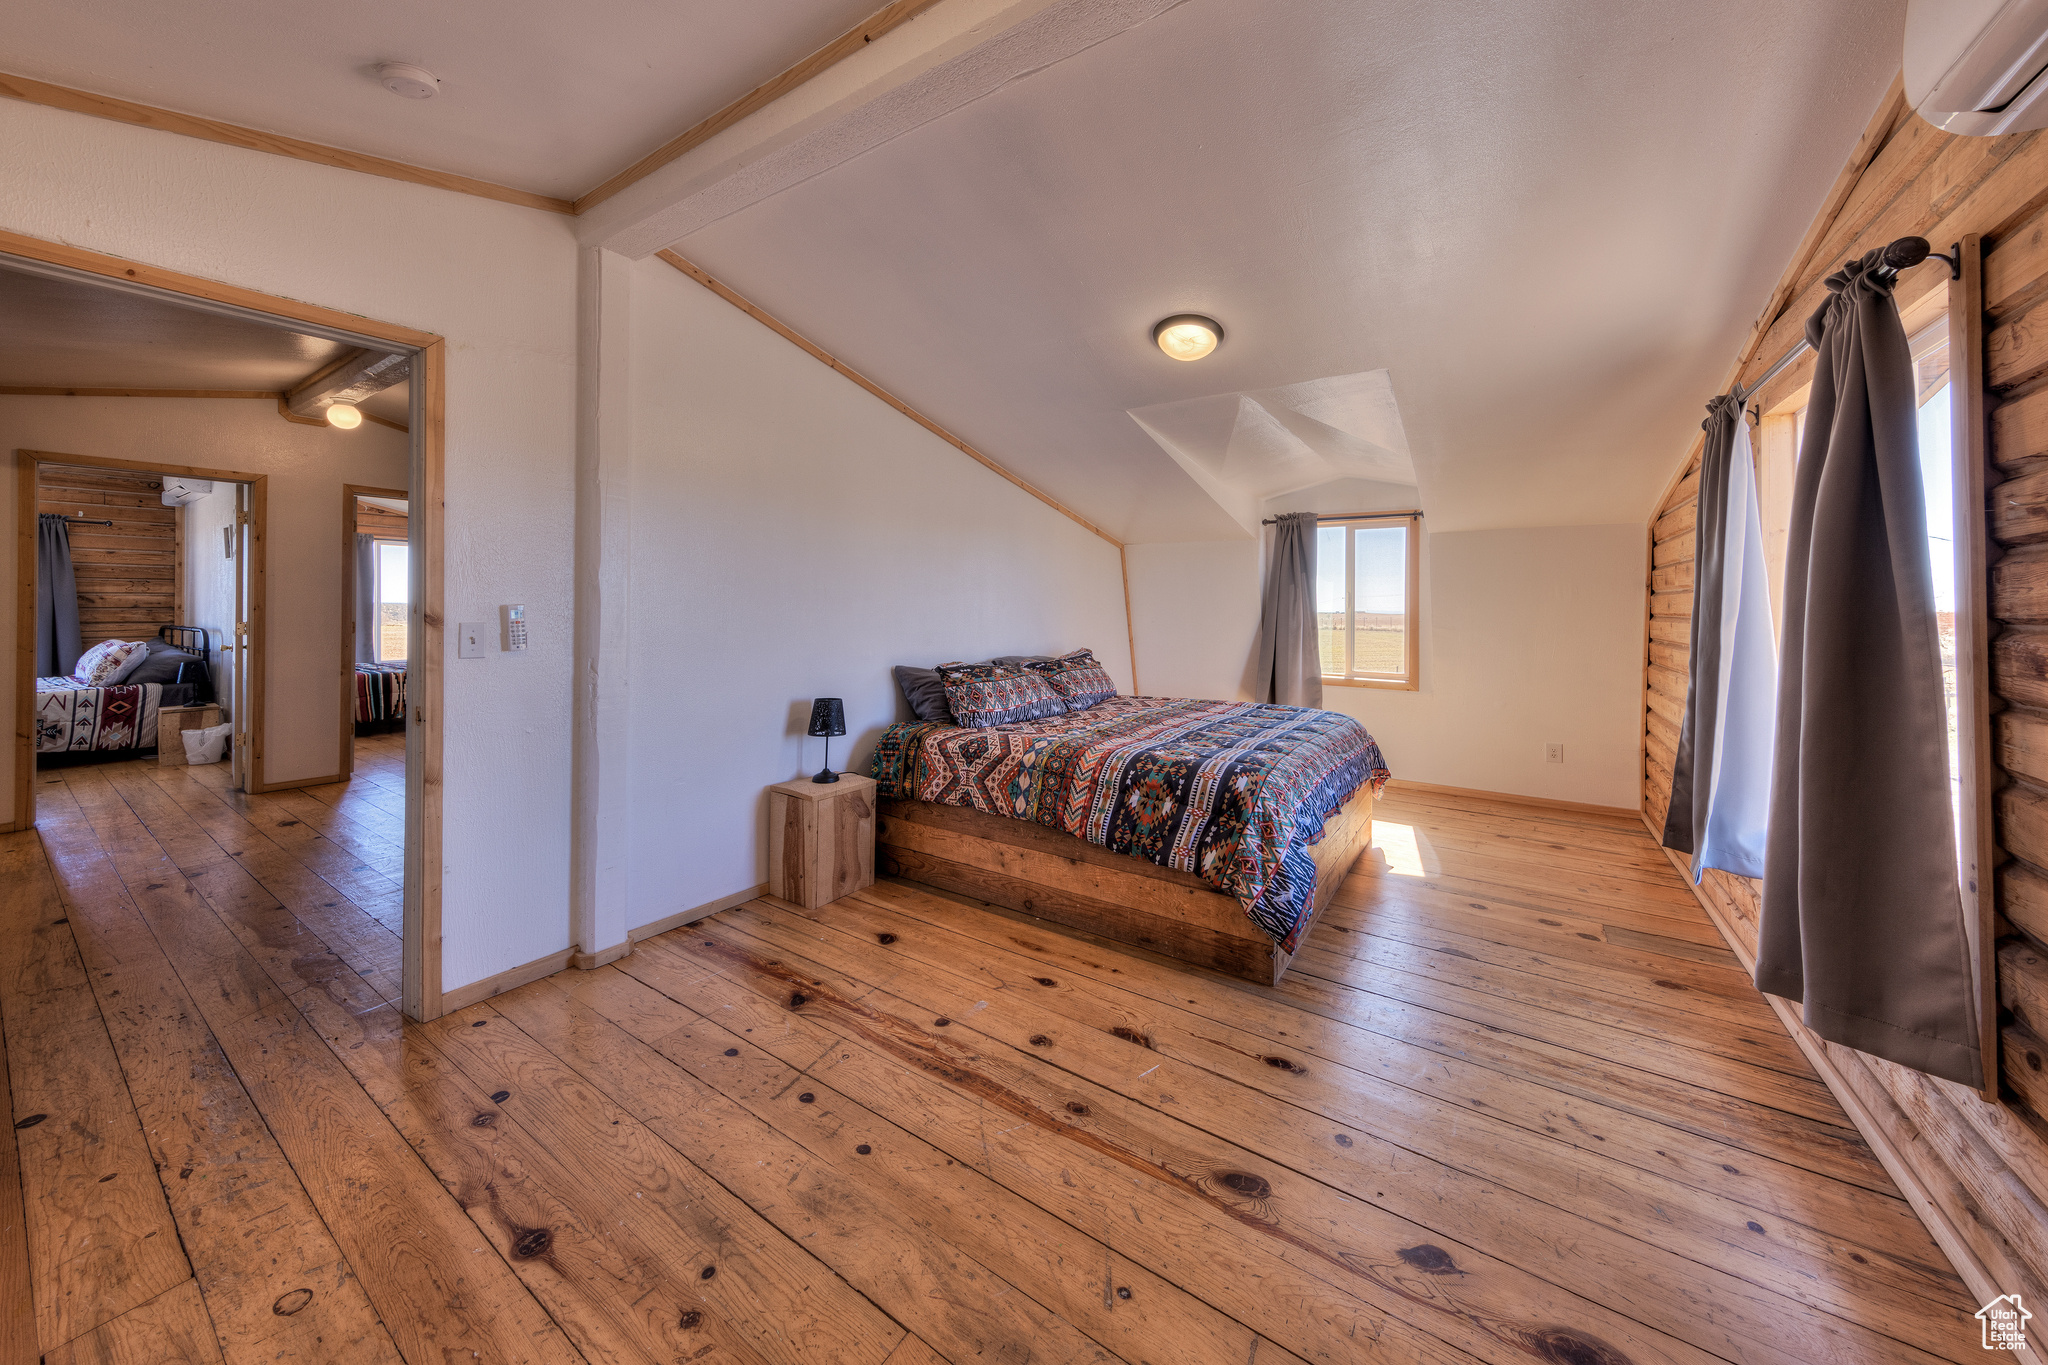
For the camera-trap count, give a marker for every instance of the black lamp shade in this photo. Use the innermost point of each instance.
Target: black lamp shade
(828, 717)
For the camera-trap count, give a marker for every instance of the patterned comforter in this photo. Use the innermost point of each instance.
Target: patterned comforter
(71, 716)
(1233, 792)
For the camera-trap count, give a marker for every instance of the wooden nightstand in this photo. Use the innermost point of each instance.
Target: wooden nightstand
(821, 839)
(172, 722)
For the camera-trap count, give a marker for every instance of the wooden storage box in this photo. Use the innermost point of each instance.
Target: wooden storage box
(1057, 877)
(821, 839)
(171, 724)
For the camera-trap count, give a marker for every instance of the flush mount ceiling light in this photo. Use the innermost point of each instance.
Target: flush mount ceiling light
(413, 82)
(1187, 336)
(343, 415)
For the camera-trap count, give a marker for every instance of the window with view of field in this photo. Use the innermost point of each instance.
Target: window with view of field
(1366, 594)
(394, 569)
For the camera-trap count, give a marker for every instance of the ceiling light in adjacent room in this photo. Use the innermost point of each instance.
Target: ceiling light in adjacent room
(1187, 336)
(413, 82)
(344, 416)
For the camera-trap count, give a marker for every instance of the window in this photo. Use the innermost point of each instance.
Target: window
(394, 598)
(1937, 490)
(1366, 594)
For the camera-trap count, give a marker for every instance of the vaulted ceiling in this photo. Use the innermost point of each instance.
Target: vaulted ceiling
(1540, 229)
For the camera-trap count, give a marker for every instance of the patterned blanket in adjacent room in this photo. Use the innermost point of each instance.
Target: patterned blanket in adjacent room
(71, 717)
(1233, 792)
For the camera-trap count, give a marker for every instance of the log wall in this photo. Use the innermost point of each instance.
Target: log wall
(130, 574)
(1976, 1171)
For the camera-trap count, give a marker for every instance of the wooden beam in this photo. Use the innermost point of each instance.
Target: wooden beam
(760, 97)
(18, 390)
(234, 135)
(790, 334)
(352, 378)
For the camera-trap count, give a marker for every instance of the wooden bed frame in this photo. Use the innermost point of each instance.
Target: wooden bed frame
(1041, 871)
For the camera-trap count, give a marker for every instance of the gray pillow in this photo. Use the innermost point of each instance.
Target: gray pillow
(161, 666)
(925, 693)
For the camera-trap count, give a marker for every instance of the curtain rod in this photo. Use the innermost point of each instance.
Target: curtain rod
(86, 521)
(1903, 254)
(1348, 516)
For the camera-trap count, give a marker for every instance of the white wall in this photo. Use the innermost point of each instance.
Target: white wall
(794, 537)
(210, 584)
(499, 282)
(1528, 637)
(307, 467)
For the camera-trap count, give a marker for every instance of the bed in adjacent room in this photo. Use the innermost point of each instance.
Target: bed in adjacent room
(1211, 832)
(108, 709)
(380, 698)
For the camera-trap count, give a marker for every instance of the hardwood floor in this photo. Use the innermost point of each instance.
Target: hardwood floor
(1515, 1102)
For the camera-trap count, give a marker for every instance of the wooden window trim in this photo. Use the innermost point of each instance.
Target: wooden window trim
(1411, 521)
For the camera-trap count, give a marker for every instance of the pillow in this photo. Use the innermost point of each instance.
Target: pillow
(101, 665)
(925, 693)
(1079, 680)
(982, 695)
(161, 665)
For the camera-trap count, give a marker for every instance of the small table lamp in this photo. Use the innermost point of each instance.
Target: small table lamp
(828, 718)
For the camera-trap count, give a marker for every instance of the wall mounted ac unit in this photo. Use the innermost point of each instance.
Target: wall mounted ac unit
(1978, 67)
(178, 492)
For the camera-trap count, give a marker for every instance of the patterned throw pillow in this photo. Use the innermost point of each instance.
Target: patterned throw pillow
(1078, 678)
(982, 695)
(102, 664)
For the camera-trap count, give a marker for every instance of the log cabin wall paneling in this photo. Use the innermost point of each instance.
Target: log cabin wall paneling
(130, 578)
(380, 522)
(1977, 1172)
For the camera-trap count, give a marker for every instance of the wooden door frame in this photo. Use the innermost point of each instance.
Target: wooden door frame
(350, 606)
(422, 954)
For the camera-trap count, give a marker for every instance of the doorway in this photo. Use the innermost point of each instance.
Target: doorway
(260, 769)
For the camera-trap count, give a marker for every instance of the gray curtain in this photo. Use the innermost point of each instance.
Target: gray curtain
(366, 599)
(1289, 667)
(1721, 774)
(57, 634)
(1862, 918)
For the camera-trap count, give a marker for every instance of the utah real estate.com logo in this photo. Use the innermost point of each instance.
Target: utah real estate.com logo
(2005, 1323)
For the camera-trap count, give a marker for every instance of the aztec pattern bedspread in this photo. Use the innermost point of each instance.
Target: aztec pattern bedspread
(1233, 792)
(71, 717)
(380, 692)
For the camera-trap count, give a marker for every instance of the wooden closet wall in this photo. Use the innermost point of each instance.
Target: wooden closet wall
(1976, 1172)
(131, 576)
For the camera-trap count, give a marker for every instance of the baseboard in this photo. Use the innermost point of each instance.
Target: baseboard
(462, 997)
(1982, 1283)
(294, 783)
(590, 962)
(691, 916)
(1513, 798)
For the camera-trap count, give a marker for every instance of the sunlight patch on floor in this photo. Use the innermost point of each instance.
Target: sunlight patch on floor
(1401, 847)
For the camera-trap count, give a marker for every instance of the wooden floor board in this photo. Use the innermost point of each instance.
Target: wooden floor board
(1505, 1199)
(1514, 1101)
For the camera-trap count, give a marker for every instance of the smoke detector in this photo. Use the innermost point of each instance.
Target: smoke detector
(413, 82)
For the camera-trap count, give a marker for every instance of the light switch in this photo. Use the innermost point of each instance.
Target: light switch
(471, 640)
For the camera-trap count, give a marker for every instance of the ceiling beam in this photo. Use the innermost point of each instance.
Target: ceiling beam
(349, 379)
(839, 49)
(234, 135)
(43, 392)
(957, 52)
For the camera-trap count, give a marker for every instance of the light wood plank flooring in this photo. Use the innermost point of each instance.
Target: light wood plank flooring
(1515, 1102)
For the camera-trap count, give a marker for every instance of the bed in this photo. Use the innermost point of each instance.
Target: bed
(111, 723)
(380, 698)
(1209, 832)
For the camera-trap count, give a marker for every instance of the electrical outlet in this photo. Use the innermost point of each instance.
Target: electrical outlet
(1553, 753)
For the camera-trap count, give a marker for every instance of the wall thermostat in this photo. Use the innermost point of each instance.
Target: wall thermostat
(514, 623)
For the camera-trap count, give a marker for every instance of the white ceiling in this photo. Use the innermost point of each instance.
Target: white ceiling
(72, 334)
(1549, 223)
(552, 98)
